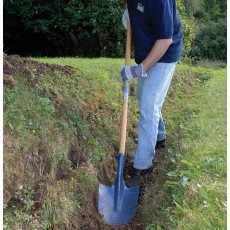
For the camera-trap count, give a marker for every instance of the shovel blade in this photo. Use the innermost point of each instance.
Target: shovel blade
(117, 210)
(118, 203)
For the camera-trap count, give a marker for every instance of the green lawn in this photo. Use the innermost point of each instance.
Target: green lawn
(203, 156)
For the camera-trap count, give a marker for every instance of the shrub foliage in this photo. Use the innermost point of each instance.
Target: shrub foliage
(93, 28)
(68, 28)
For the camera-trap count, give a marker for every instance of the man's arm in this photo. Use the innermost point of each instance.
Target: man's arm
(158, 50)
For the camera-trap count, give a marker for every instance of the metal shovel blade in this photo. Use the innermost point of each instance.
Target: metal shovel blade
(118, 203)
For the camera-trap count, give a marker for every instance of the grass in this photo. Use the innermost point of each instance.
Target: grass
(100, 90)
(81, 113)
(203, 160)
(194, 192)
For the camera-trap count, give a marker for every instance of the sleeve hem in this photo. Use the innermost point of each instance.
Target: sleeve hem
(163, 36)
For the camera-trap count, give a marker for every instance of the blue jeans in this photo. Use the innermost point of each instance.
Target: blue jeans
(151, 92)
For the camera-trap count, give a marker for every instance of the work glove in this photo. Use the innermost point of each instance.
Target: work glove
(125, 18)
(129, 72)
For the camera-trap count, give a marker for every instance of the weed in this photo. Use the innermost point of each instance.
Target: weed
(18, 214)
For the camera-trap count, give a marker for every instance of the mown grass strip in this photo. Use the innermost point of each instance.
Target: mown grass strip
(198, 187)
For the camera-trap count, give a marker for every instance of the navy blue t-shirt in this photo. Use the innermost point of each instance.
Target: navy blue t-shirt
(152, 20)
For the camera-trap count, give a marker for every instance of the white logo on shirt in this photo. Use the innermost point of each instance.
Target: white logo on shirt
(140, 7)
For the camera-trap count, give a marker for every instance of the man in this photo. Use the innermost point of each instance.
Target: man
(157, 37)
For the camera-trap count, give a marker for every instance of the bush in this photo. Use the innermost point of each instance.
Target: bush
(63, 28)
(93, 28)
(211, 41)
(188, 29)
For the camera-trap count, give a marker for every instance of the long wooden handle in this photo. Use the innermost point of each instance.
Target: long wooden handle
(126, 92)
(128, 45)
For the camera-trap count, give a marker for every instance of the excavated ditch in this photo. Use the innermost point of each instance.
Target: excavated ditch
(87, 216)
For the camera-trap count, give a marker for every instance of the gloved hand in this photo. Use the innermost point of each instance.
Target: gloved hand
(125, 18)
(129, 72)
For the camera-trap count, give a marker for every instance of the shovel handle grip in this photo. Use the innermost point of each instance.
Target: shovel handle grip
(126, 92)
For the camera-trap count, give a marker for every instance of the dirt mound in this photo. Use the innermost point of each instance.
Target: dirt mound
(14, 65)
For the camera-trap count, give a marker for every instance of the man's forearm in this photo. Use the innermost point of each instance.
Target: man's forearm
(158, 50)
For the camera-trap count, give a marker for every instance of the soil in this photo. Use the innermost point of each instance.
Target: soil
(88, 216)
(91, 219)
(14, 65)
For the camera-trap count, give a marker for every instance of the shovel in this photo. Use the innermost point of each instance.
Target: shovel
(117, 203)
